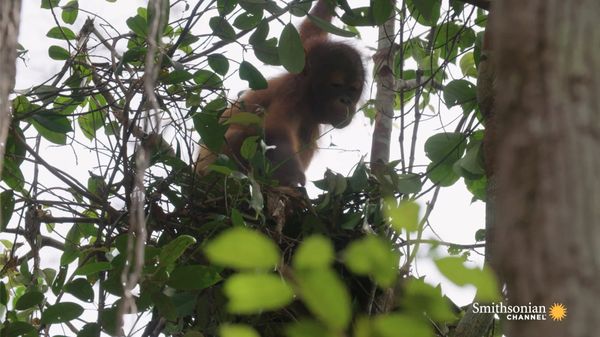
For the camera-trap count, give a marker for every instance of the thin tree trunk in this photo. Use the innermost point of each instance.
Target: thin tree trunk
(548, 160)
(9, 31)
(384, 99)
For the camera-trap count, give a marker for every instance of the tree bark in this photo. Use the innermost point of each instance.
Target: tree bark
(548, 160)
(9, 30)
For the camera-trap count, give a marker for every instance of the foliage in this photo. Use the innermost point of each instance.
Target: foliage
(230, 253)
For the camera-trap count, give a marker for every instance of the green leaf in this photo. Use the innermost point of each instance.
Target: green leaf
(53, 122)
(247, 20)
(254, 293)
(309, 328)
(226, 6)
(243, 248)
(237, 330)
(255, 79)
(92, 121)
(325, 296)
(459, 92)
(3, 294)
(375, 257)
(221, 28)
(403, 216)
(90, 330)
(17, 328)
(249, 146)
(382, 10)
(260, 33)
(193, 277)
(93, 268)
(29, 300)
(454, 269)
(7, 206)
(445, 147)
(266, 51)
(218, 63)
(47, 4)
(409, 183)
(207, 79)
(419, 296)
(58, 53)
(211, 131)
(400, 325)
(174, 249)
(245, 118)
(314, 252)
(70, 11)
(138, 25)
(426, 12)
(177, 76)
(328, 27)
(13, 176)
(442, 174)
(54, 137)
(291, 51)
(61, 312)
(81, 289)
(61, 33)
(467, 65)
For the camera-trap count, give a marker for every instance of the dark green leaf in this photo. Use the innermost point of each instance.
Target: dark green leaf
(246, 21)
(459, 92)
(255, 79)
(400, 325)
(81, 289)
(89, 330)
(226, 6)
(207, 79)
(3, 294)
(427, 12)
(260, 33)
(29, 300)
(70, 11)
(409, 183)
(177, 76)
(193, 277)
(267, 52)
(13, 176)
(250, 293)
(17, 328)
(291, 51)
(330, 28)
(61, 33)
(61, 312)
(58, 53)
(222, 28)
(7, 206)
(47, 4)
(382, 10)
(138, 25)
(93, 268)
(218, 63)
(53, 122)
(173, 250)
(243, 248)
(211, 131)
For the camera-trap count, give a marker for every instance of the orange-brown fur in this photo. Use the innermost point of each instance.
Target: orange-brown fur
(295, 105)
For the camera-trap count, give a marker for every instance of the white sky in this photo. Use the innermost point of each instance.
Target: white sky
(454, 218)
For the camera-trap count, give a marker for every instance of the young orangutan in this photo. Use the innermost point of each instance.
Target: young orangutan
(295, 105)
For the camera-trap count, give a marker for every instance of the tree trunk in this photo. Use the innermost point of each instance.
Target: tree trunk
(9, 30)
(548, 160)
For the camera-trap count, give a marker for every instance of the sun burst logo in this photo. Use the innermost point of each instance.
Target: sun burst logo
(558, 312)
